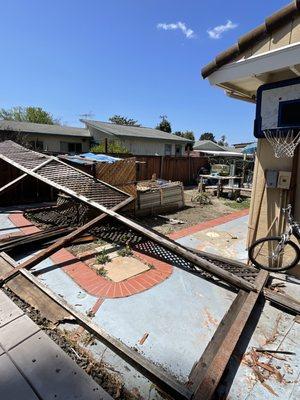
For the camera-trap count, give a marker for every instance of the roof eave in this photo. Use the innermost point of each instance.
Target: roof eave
(271, 24)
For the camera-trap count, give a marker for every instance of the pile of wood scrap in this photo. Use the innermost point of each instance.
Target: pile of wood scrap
(157, 196)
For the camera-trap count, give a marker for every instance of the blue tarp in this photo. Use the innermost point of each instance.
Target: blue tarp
(83, 158)
(250, 149)
(100, 157)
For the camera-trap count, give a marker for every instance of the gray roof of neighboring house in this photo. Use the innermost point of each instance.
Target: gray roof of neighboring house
(207, 145)
(133, 131)
(43, 129)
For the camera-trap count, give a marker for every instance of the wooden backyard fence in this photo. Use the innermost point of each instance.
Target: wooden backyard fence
(183, 169)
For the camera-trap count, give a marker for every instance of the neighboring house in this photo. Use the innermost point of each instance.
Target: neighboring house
(138, 140)
(207, 145)
(51, 138)
(67, 139)
(202, 146)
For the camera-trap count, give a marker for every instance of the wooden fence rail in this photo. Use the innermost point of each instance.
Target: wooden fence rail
(183, 169)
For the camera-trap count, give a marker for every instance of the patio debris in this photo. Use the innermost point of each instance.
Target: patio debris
(262, 370)
(171, 221)
(274, 351)
(144, 338)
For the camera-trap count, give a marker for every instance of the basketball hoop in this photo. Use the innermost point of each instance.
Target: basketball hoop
(283, 142)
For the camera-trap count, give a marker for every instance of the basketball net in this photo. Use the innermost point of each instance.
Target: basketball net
(283, 142)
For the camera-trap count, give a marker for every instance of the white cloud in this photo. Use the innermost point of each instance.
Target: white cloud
(217, 31)
(188, 33)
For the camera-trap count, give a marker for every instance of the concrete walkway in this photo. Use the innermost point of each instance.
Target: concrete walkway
(33, 367)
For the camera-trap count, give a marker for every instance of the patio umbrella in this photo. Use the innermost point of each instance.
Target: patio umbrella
(250, 149)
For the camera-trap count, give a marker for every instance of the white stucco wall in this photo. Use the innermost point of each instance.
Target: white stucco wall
(149, 147)
(138, 146)
(52, 143)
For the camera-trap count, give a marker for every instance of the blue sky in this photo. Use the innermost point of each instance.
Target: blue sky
(110, 57)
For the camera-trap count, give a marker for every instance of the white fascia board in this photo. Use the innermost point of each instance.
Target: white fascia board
(258, 64)
(222, 153)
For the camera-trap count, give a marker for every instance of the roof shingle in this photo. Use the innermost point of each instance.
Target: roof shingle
(30, 127)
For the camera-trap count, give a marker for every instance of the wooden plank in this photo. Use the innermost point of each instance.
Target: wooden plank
(200, 368)
(160, 239)
(282, 300)
(38, 237)
(222, 259)
(31, 294)
(139, 362)
(37, 258)
(207, 384)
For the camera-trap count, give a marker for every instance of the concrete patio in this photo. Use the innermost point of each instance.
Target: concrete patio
(179, 316)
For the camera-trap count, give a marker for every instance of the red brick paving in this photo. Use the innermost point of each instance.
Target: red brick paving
(208, 224)
(97, 305)
(102, 288)
(22, 223)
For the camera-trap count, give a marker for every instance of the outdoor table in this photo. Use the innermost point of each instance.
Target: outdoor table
(221, 180)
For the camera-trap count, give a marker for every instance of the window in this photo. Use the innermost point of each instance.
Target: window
(168, 149)
(178, 150)
(289, 113)
(37, 145)
(74, 148)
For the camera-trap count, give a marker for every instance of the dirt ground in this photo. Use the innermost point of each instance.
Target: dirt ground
(193, 213)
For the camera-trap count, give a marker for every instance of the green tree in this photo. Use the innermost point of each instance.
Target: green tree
(114, 147)
(164, 124)
(28, 114)
(208, 136)
(187, 135)
(119, 120)
(223, 141)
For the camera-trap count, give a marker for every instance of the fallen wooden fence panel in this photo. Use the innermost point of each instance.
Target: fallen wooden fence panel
(147, 368)
(39, 257)
(81, 186)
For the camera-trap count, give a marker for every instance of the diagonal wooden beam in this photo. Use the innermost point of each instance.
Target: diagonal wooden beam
(37, 258)
(205, 382)
(159, 239)
(154, 373)
(21, 177)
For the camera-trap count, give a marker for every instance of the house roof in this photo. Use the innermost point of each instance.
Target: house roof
(241, 145)
(245, 42)
(207, 145)
(46, 129)
(133, 131)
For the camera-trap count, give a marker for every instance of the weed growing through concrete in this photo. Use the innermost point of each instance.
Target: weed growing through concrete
(125, 251)
(102, 257)
(101, 271)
